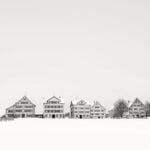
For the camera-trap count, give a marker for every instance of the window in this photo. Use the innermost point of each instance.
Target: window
(18, 106)
(24, 103)
(97, 110)
(28, 110)
(53, 106)
(80, 111)
(10, 115)
(18, 110)
(96, 106)
(29, 106)
(10, 111)
(53, 102)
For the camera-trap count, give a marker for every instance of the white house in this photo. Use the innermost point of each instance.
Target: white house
(97, 110)
(137, 109)
(23, 108)
(54, 108)
(80, 109)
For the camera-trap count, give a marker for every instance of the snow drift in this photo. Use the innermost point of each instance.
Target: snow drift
(73, 134)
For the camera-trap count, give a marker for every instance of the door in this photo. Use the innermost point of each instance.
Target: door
(80, 116)
(53, 116)
(23, 115)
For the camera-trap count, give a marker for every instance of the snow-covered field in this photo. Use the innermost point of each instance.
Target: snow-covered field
(69, 134)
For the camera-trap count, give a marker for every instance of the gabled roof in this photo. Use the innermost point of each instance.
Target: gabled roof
(61, 100)
(10, 107)
(23, 98)
(97, 103)
(80, 102)
(136, 101)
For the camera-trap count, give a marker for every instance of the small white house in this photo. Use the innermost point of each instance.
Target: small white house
(80, 109)
(97, 110)
(137, 109)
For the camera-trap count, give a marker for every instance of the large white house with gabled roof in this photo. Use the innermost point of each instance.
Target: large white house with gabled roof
(80, 109)
(21, 109)
(54, 108)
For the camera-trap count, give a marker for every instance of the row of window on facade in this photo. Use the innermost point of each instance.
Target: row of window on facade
(54, 108)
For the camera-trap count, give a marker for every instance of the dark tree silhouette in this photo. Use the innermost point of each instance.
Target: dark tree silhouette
(147, 109)
(120, 107)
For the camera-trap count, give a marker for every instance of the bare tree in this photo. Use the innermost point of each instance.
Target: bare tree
(120, 107)
(147, 109)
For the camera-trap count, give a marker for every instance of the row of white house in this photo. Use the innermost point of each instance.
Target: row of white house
(82, 109)
(54, 108)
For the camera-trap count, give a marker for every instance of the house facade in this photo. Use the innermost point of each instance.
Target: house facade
(21, 109)
(54, 108)
(80, 109)
(137, 109)
(97, 110)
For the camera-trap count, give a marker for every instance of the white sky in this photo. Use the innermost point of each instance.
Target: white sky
(89, 49)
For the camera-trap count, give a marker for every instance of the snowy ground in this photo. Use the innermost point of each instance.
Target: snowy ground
(67, 134)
